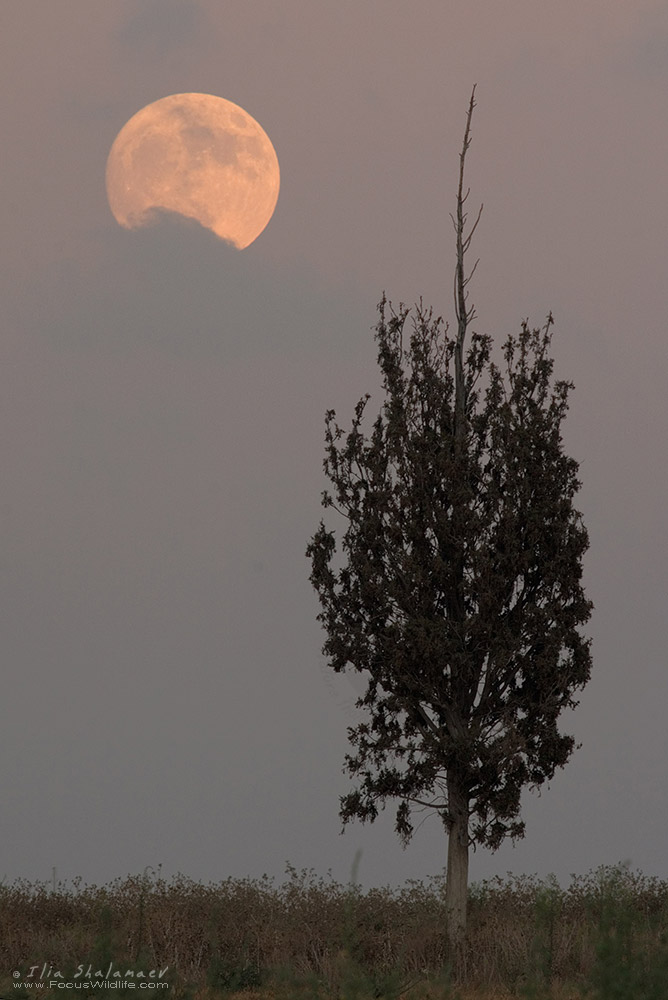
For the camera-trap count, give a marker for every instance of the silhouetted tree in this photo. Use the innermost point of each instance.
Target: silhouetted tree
(458, 588)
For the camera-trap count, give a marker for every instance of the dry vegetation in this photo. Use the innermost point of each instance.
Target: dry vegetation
(606, 936)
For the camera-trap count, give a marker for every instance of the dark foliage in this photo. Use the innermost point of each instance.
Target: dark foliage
(457, 587)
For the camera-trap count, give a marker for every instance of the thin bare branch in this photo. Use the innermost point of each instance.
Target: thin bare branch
(464, 315)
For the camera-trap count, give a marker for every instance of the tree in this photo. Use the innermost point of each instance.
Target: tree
(457, 588)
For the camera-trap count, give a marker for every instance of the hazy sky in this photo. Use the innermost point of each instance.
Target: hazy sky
(164, 699)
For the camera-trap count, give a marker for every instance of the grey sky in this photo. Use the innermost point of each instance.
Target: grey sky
(164, 698)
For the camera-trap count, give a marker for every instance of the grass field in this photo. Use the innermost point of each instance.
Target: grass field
(605, 937)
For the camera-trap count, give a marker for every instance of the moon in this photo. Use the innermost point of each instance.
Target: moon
(198, 155)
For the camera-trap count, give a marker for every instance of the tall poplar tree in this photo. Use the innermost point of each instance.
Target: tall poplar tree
(457, 587)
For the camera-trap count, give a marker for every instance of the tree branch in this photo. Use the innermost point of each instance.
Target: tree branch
(464, 315)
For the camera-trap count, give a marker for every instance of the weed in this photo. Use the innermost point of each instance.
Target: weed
(602, 938)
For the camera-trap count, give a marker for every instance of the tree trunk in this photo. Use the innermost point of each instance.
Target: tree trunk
(456, 886)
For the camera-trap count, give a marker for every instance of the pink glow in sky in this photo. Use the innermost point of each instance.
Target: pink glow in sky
(164, 697)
